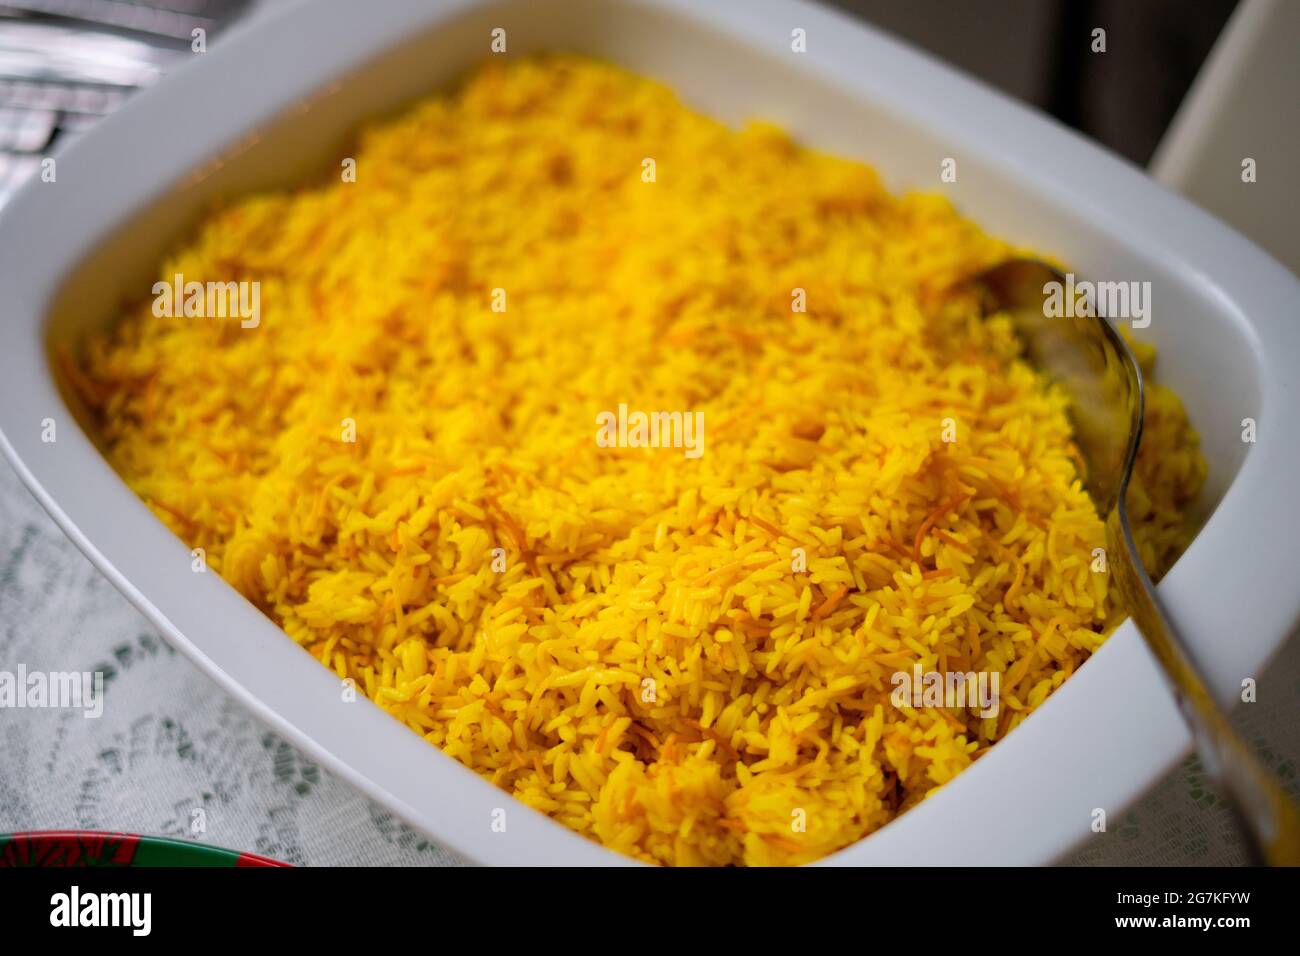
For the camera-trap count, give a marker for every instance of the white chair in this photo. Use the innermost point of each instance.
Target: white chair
(1244, 106)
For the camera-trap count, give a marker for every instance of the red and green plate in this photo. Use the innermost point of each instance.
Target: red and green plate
(90, 848)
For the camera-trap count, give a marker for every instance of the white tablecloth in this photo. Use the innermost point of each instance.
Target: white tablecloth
(171, 743)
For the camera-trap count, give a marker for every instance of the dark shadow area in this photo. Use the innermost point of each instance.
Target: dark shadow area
(1041, 51)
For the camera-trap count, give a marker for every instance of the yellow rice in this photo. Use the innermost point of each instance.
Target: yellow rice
(652, 668)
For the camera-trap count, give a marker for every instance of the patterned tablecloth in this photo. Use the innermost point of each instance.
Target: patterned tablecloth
(173, 752)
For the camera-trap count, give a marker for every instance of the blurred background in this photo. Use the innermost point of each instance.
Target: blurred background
(1039, 51)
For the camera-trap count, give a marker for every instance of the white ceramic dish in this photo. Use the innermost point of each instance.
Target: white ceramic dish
(273, 104)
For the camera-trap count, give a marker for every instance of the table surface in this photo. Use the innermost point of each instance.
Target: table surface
(173, 755)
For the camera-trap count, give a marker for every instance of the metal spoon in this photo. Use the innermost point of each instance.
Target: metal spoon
(1094, 365)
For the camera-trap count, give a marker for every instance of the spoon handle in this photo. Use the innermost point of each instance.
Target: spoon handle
(1266, 813)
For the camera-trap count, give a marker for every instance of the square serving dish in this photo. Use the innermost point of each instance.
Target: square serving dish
(275, 103)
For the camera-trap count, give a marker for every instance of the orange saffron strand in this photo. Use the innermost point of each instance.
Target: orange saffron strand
(934, 516)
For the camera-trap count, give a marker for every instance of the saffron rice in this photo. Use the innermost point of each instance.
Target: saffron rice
(683, 658)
